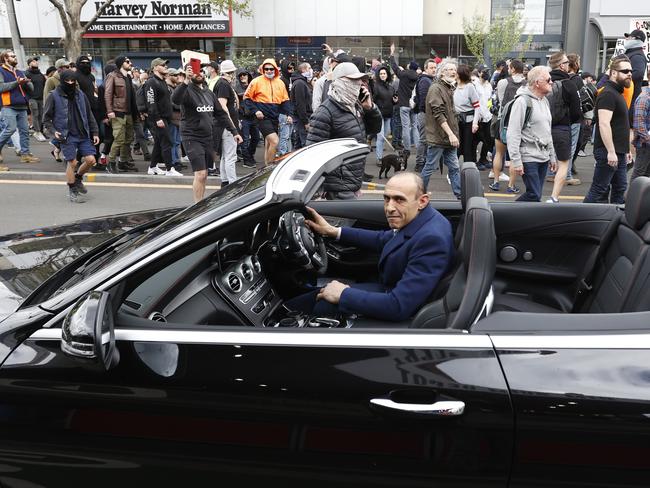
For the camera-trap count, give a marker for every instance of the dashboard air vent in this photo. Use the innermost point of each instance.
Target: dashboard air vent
(233, 282)
(247, 272)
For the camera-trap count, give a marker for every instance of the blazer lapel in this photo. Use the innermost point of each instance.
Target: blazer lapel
(391, 246)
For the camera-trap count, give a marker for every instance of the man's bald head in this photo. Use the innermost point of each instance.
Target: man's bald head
(410, 179)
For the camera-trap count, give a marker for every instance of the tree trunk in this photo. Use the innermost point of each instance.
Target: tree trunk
(72, 43)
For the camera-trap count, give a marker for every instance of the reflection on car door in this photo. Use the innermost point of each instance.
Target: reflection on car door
(331, 408)
(582, 406)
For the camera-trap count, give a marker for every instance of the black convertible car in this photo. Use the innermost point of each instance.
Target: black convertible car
(155, 349)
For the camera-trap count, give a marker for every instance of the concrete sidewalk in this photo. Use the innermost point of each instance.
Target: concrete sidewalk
(50, 170)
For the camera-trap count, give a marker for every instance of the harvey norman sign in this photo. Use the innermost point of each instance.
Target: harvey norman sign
(157, 18)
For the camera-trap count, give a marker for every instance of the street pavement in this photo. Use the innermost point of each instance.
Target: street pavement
(49, 170)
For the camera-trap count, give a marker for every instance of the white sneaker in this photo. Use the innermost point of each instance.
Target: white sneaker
(173, 172)
(504, 177)
(185, 159)
(155, 171)
(552, 200)
(448, 180)
(39, 137)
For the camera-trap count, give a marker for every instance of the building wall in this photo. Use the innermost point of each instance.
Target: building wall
(446, 16)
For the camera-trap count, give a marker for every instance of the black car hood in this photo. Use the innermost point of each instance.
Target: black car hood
(29, 258)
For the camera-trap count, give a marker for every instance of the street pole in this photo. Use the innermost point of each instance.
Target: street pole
(15, 34)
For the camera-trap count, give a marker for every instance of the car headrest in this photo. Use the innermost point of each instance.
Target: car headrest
(637, 203)
(470, 183)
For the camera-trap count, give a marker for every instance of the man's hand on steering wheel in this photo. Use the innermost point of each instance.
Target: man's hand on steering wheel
(319, 225)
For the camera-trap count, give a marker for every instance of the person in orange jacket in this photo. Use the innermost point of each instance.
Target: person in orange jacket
(266, 97)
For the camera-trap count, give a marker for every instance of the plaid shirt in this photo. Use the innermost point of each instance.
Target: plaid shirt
(641, 120)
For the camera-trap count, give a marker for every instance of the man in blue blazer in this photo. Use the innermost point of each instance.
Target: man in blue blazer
(415, 253)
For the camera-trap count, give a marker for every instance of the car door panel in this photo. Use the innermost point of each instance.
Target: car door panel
(543, 250)
(292, 407)
(581, 403)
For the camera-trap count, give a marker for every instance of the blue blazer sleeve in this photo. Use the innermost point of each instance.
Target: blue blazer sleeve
(428, 260)
(373, 240)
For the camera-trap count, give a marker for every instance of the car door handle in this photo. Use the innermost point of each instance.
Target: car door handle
(440, 409)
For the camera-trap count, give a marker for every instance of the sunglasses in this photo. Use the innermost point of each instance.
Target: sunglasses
(269, 69)
(624, 71)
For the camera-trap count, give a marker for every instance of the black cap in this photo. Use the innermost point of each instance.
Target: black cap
(33, 58)
(214, 64)
(49, 70)
(343, 58)
(637, 34)
(119, 61)
(83, 59)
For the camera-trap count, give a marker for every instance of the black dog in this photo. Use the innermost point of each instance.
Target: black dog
(395, 161)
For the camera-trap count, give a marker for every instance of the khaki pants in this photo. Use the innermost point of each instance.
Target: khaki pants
(122, 138)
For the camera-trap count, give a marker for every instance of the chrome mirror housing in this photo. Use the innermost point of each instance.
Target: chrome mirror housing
(88, 332)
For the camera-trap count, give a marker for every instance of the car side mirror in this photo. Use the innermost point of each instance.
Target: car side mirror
(88, 332)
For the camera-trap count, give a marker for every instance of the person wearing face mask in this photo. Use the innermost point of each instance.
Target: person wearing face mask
(86, 81)
(301, 93)
(36, 98)
(348, 112)
(441, 125)
(266, 97)
(68, 116)
(633, 45)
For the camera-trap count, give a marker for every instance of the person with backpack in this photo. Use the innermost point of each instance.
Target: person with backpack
(422, 86)
(565, 111)
(506, 91)
(529, 136)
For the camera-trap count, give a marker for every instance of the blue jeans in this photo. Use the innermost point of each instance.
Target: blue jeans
(409, 128)
(251, 137)
(385, 129)
(606, 175)
(15, 119)
(175, 136)
(284, 135)
(534, 174)
(450, 159)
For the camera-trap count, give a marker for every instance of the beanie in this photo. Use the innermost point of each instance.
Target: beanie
(119, 61)
(413, 65)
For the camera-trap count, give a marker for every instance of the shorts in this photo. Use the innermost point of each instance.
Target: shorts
(562, 142)
(199, 154)
(267, 126)
(75, 145)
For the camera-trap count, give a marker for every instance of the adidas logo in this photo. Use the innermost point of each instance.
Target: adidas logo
(205, 108)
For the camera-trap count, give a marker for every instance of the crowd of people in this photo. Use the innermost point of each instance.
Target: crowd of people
(529, 122)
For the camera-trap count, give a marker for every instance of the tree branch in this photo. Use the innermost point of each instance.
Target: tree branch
(62, 13)
(99, 13)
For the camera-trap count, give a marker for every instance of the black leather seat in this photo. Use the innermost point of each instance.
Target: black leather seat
(470, 186)
(621, 274)
(471, 280)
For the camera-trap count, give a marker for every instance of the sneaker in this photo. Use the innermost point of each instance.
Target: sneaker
(249, 164)
(582, 154)
(367, 177)
(513, 189)
(552, 200)
(79, 184)
(573, 182)
(173, 172)
(73, 194)
(56, 154)
(155, 171)
(185, 159)
(494, 186)
(103, 159)
(448, 180)
(502, 176)
(111, 167)
(4, 168)
(137, 152)
(213, 172)
(550, 179)
(39, 137)
(481, 167)
(29, 158)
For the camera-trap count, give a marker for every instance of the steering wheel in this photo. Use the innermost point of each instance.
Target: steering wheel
(300, 245)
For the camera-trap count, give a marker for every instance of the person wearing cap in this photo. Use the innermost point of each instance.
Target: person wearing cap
(36, 99)
(200, 113)
(53, 81)
(121, 109)
(633, 44)
(348, 112)
(15, 90)
(212, 70)
(67, 115)
(227, 98)
(266, 97)
(322, 86)
(175, 122)
(287, 69)
(159, 110)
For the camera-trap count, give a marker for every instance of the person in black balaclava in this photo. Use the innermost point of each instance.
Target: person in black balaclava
(68, 116)
(36, 97)
(86, 81)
